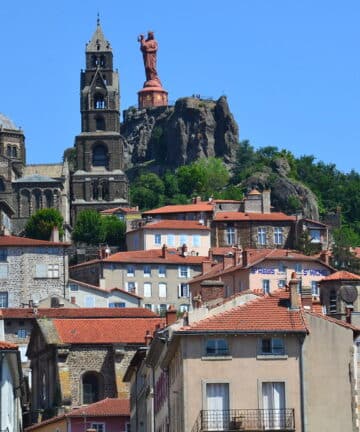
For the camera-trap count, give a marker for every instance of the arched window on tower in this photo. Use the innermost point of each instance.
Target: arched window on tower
(99, 101)
(102, 61)
(100, 123)
(105, 190)
(94, 61)
(92, 387)
(100, 156)
(8, 151)
(14, 152)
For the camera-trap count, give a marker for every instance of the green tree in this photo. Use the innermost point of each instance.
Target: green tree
(41, 224)
(147, 191)
(89, 228)
(342, 256)
(114, 230)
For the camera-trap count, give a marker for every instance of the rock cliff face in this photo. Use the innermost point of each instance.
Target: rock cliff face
(285, 192)
(180, 134)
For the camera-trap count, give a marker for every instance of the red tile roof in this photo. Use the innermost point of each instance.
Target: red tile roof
(154, 256)
(202, 206)
(105, 407)
(24, 313)
(103, 331)
(175, 225)
(27, 242)
(341, 275)
(264, 314)
(240, 216)
(333, 320)
(7, 346)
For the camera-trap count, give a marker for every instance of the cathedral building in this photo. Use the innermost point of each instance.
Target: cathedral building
(99, 181)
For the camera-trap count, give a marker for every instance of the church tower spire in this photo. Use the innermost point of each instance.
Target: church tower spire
(99, 181)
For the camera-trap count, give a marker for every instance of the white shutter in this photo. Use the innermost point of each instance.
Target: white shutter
(41, 270)
(162, 290)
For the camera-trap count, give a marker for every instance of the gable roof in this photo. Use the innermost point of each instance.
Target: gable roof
(103, 408)
(202, 206)
(105, 331)
(108, 291)
(8, 346)
(125, 210)
(270, 313)
(7, 240)
(341, 275)
(241, 216)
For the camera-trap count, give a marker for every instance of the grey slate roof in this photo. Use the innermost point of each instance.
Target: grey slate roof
(7, 123)
(98, 41)
(35, 178)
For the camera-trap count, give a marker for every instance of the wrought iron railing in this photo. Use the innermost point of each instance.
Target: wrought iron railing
(245, 420)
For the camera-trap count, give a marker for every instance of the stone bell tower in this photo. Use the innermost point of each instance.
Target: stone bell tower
(99, 181)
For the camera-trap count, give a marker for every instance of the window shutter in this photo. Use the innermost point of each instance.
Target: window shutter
(179, 290)
(41, 270)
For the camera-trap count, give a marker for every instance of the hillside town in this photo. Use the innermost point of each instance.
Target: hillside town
(217, 314)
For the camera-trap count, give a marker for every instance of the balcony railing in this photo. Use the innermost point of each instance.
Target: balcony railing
(245, 420)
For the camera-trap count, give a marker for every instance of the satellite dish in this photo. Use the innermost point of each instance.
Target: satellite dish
(348, 293)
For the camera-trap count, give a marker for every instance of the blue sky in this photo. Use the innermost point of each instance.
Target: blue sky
(290, 68)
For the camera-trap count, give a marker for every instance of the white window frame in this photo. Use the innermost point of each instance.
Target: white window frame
(4, 299)
(89, 298)
(130, 271)
(315, 289)
(131, 290)
(230, 235)
(145, 270)
(95, 426)
(162, 290)
(171, 240)
(278, 236)
(276, 346)
(266, 286)
(53, 271)
(157, 239)
(196, 240)
(183, 239)
(182, 270)
(162, 274)
(261, 235)
(183, 290)
(147, 290)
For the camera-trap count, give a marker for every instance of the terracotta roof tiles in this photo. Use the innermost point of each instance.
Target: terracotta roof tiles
(7, 346)
(202, 206)
(6, 240)
(341, 275)
(104, 331)
(154, 256)
(175, 225)
(105, 407)
(241, 216)
(264, 314)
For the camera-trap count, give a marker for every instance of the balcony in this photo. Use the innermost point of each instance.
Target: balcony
(245, 420)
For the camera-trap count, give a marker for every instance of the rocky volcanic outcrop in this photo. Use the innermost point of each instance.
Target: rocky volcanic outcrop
(180, 134)
(285, 190)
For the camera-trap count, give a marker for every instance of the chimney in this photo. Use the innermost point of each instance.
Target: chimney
(206, 266)
(238, 256)
(171, 315)
(293, 288)
(196, 200)
(324, 256)
(348, 311)
(245, 258)
(211, 255)
(164, 251)
(228, 260)
(306, 298)
(73, 300)
(184, 250)
(54, 237)
(148, 338)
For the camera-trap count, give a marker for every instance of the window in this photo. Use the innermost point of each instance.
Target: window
(21, 333)
(315, 235)
(281, 283)
(117, 305)
(162, 289)
(298, 268)
(131, 287)
(53, 271)
(273, 404)
(217, 347)
(278, 236)
(127, 427)
(3, 271)
(162, 309)
(196, 240)
(99, 427)
(262, 236)
(74, 287)
(148, 306)
(130, 271)
(184, 290)
(184, 271)
(266, 286)
(217, 405)
(99, 101)
(230, 235)
(3, 299)
(91, 387)
(183, 239)
(100, 156)
(162, 271)
(315, 288)
(282, 268)
(171, 240)
(272, 346)
(147, 289)
(157, 239)
(3, 255)
(147, 270)
(333, 301)
(89, 301)
(184, 308)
